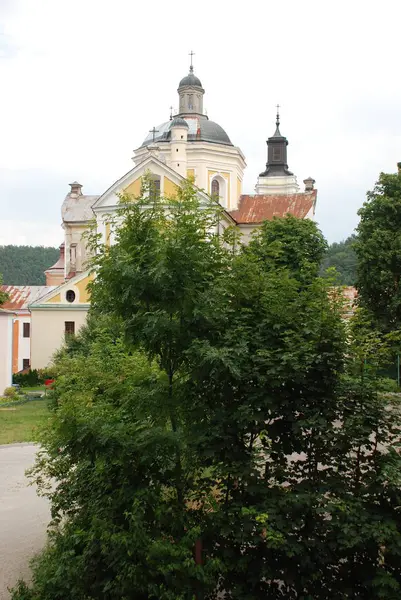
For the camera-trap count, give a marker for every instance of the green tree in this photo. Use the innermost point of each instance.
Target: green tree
(342, 256)
(378, 248)
(208, 403)
(3, 295)
(25, 265)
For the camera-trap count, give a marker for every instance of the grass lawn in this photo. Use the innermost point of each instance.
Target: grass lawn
(35, 388)
(19, 423)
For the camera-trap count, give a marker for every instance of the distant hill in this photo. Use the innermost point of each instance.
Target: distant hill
(341, 255)
(25, 265)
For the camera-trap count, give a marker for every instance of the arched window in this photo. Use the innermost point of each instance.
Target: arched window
(215, 188)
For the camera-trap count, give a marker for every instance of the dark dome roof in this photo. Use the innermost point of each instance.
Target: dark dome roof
(178, 122)
(200, 129)
(190, 79)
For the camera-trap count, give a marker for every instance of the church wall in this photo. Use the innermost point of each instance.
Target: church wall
(47, 331)
(205, 157)
(54, 278)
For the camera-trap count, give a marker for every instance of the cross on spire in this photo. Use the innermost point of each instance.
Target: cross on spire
(154, 131)
(191, 54)
(278, 115)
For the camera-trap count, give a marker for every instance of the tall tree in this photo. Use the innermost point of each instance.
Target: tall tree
(221, 418)
(378, 247)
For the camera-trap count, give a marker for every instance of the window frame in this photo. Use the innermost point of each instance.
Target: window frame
(69, 325)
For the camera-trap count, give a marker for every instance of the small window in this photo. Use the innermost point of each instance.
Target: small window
(26, 330)
(176, 149)
(215, 188)
(26, 363)
(69, 327)
(70, 296)
(182, 137)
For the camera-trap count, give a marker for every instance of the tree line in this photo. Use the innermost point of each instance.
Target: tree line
(25, 265)
(214, 430)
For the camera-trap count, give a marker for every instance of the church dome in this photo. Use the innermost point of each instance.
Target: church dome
(190, 79)
(200, 129)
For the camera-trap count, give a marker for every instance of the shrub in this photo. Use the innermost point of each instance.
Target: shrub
(10, 392)
(385, 384)
(33, 377)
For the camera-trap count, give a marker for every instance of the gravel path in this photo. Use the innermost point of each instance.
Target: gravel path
(23, 515)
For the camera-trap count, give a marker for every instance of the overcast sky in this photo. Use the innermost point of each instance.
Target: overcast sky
(82, 82)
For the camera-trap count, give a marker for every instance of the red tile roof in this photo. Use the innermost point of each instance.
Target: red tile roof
(20, 296)
(258, 208)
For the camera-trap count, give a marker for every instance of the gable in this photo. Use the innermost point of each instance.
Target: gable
(57, 298)
(130, 183)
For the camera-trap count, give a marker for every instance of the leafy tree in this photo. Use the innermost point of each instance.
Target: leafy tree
(378, 248)
(342, 256)
(3, 295)
(25, 265)
(208, 403)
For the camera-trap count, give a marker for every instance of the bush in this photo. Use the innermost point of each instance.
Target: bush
(33, 377)
(385, 384)
(10, 392)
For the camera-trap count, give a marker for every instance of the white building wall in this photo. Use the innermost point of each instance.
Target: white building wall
(6, 350)
(47, 331)
(24, 344)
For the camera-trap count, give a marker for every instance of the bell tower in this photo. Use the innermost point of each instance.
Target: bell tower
(276, 178)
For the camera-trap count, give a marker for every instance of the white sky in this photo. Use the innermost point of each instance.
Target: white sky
(82, 82)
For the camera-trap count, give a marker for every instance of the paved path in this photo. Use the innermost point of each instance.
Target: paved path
(23, 515)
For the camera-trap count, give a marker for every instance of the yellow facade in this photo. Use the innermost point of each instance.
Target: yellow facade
(84, 294)
(239, 187)
(108, 227)
(134, 188)
(170, 188)
(191, 174)
(56, 299)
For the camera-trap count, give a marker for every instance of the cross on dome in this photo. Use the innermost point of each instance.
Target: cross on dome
(191, 68)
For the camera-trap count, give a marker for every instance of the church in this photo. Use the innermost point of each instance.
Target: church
(188, 144)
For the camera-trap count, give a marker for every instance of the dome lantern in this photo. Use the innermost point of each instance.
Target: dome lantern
(190, 92)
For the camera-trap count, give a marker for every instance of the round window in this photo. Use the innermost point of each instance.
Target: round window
(70, 296)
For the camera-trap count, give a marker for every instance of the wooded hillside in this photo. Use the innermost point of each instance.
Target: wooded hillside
(341, 255)
(25, 265)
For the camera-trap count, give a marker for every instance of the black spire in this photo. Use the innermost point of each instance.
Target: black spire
(276, 153)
